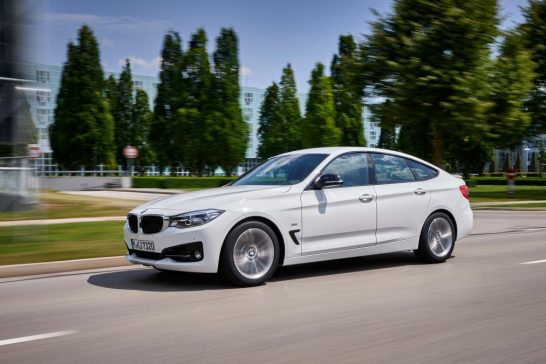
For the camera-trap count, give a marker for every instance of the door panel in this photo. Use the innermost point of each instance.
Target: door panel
(340, 217)
(400, 210)
(336, 218)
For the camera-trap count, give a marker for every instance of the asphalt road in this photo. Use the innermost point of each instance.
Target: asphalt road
(482, 306)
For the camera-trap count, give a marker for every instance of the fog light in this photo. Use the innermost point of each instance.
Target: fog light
(197, 255)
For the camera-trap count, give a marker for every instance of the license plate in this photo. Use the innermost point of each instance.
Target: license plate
(145, 245)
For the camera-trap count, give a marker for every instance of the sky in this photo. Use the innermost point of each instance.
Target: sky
(271, 33)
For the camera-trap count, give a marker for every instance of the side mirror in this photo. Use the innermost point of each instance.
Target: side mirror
(328, 180)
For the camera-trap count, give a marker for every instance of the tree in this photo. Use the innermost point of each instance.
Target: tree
(170, 97)
(83, 130)
(348, 92)
(387, 138)
(534, 31)
(290, 110)
(430, 59)
(194, 132)
(512, 81)
(318, 127)
(228, 128)
(123, 111)
(271, 125)
(139, 132)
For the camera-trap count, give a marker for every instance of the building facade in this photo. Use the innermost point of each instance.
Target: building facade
(42, 98)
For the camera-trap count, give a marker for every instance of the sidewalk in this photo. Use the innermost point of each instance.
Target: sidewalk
(18, 270)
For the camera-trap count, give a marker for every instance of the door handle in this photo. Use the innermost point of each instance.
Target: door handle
(420, 191)
(366, 198)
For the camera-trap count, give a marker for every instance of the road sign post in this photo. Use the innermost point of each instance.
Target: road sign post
(130, 153)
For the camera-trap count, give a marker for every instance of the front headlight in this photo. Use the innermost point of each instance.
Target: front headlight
(194, 218)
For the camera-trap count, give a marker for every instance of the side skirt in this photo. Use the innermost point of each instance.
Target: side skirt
(409, 244)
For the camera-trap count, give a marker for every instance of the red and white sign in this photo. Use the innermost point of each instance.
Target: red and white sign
(33, 151)
(130, 152)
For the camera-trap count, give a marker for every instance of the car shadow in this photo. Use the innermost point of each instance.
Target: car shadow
(348, 265)
(147, 279)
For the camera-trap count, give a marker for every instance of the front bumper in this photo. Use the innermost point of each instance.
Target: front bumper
(211, 236)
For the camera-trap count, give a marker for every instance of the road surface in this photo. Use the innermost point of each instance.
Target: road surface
(485, 305)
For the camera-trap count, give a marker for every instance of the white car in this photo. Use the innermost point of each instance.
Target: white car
(304, 206)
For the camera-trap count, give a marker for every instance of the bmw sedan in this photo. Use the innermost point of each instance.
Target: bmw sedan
(304, 206)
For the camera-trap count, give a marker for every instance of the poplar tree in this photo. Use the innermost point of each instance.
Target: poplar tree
(348, 92)
(122, 111)
(319, 125)
(139, 132)
(290, 110)
(83, 132)
(271, 124)
(170, 97)
(194, 132)
(228, 128)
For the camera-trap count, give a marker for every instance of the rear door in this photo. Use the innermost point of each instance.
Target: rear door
(402, 201)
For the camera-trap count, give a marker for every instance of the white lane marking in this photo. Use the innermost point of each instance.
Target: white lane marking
(36, 337)
(535, 262)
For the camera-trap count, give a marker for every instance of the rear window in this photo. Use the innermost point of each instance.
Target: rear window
(421, 171)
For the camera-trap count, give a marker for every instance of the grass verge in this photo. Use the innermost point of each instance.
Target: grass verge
(55, 205)
(492, 193)
(44, 243)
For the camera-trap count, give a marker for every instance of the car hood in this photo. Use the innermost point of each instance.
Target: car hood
(210, 198)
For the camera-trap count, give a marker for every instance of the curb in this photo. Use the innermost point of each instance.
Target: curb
(18, 270)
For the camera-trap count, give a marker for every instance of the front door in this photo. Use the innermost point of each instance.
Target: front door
(341, 217)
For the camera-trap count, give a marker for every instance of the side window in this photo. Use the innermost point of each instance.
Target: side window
(391, 169)
(420, 171)
(352, 168)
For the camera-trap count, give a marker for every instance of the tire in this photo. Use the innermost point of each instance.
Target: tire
(437, 239)
(250, 254)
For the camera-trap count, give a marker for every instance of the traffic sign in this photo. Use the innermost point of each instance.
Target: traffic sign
(130, 152)
(33, 151)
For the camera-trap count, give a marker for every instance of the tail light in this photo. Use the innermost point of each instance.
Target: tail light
(464, 191)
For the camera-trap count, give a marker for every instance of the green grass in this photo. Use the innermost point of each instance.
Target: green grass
(55, 205)
(43, 243)
(491, 193)
(519, 206)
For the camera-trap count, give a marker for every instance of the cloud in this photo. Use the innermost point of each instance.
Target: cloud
(141, 63)
(245, 71)
(112, 23)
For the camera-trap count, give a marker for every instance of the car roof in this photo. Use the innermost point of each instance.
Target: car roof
(341, 150)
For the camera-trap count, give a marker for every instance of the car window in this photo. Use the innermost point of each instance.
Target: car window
(352, 168)
(421, 171)
(286, 169)
(391, 169)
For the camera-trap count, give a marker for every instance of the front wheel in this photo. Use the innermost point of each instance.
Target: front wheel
(437, 239)
(250, 255)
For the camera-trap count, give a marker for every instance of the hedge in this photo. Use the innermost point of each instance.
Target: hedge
(521, 181)
(180, 182)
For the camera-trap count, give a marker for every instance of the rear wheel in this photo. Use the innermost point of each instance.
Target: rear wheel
(437, 239)
(250, 255)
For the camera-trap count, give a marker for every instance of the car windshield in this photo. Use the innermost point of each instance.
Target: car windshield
(282, 170)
